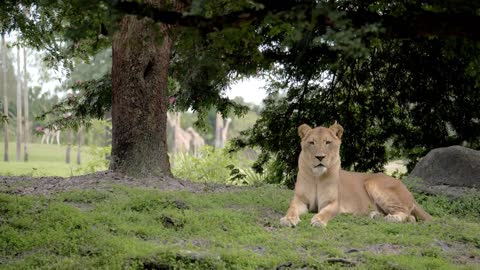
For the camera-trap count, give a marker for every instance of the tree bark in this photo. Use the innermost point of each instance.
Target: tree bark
(225, 131)
(218, 130)
(79, 154)
(25, 107)
(19, 107)
(5, 96)
(69, 147)
(108, 133)
(141, 56)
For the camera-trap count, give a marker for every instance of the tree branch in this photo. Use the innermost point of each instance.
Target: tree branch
(215, 23)
(421, 24)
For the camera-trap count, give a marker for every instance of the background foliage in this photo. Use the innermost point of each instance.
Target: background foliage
(395, 98)
(398, 89)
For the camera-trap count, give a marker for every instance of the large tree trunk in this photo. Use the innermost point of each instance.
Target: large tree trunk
(25, 107)
(141, 55)
(19, 107)
(5, 97)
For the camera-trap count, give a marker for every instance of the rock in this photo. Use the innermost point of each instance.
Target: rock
(453, 166)
(169, 222)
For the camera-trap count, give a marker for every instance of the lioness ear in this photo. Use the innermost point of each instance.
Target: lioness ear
(337, 129)
(303, 130)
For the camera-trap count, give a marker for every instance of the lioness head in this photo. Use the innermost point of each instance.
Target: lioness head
(320, 147)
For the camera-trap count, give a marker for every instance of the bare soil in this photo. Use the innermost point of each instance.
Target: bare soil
(26, 185)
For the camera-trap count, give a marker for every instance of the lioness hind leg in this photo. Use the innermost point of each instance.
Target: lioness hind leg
(375, 215)
(391, 196)
(297, 208)
(398, 217)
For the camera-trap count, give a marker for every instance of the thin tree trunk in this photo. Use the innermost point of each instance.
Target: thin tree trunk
(108, 132)
(177, 142)
(141, 56)
(25, 106)
(19, 107)
(80, 133)
(69, 147)
(218, 130)
(225, 132)
(5, 96)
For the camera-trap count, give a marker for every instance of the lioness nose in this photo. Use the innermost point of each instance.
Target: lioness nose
(320, 157)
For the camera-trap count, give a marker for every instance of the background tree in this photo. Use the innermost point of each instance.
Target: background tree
(5, 98)
(26, 113)
(206, 45)
(79, 138)
(69, 147)
(403, 95)
(19, 107)
(132, 152)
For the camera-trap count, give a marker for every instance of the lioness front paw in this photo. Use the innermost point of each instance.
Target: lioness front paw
(316, 222)
(289, 221)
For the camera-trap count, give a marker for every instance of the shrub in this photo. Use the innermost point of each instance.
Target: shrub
(98, 160)
(217, 166)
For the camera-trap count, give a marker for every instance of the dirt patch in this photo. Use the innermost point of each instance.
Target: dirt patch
(468, 260)
(83, 207)
(461, 253)
(268, 219)
(25, 185)
(449, 191)
(271, 214)
(207, 260)
(384, 249)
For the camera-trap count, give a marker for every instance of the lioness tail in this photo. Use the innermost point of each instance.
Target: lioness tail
(419, 213)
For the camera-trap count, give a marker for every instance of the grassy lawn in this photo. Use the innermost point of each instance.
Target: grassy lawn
(140, 228)
(44, 160)
(134, 228)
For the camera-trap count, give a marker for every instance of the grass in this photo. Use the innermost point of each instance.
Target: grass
(134, 228)
(139, 228)
(44, 160)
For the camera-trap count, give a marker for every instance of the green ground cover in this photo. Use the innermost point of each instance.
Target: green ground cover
(141, 228)
(135, 228)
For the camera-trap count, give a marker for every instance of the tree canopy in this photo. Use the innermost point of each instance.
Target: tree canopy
(404, 72)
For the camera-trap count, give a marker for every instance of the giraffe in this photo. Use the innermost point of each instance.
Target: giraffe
(197, 140)
(49, 134)
(181, 138)
(221, 129)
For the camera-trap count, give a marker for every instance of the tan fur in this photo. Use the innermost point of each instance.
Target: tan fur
(323, 187)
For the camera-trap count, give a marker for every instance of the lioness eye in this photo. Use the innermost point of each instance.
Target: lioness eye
(328, 142)
(312, 143)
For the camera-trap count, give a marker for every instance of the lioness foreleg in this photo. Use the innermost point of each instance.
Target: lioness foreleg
(325, 214)
(297, 208)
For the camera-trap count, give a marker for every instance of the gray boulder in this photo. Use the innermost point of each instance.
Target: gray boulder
(453, 166)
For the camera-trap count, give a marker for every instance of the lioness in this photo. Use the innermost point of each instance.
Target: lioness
(324, 188)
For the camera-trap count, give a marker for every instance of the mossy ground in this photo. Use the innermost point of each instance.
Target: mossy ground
(137, 228)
